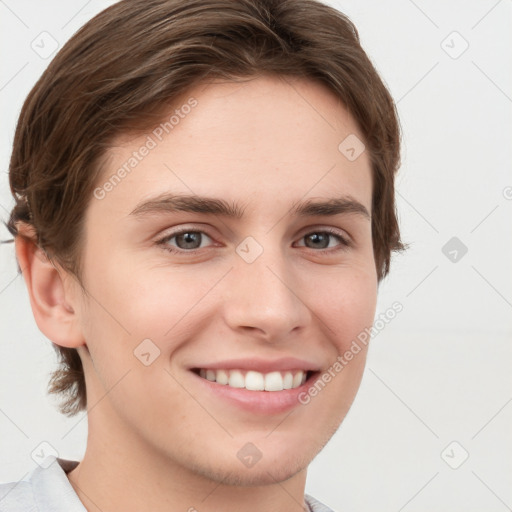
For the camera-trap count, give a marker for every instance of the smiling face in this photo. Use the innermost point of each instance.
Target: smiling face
(258, 280)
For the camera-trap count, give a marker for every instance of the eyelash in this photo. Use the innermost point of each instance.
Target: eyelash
(344, 242)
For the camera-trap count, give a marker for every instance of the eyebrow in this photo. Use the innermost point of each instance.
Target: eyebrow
(213, 206)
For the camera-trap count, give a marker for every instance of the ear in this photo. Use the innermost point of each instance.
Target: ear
(51, 294)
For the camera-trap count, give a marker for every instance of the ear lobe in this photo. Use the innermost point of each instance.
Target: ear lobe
(51, 301)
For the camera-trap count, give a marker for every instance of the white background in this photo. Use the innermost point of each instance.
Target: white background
(440, 371)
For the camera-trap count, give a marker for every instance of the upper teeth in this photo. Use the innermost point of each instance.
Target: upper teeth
(256, 381)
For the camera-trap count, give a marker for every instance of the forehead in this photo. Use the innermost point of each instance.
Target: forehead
(268, 140)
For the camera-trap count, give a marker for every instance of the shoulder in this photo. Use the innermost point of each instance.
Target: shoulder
(45, 487)
(315, 505)
(17, 496)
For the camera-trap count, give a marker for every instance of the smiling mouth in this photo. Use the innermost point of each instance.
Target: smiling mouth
(256, 381)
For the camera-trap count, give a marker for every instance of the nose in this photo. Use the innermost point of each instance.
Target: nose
(264, 299)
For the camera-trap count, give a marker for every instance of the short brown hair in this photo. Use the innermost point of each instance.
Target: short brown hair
(127, 66)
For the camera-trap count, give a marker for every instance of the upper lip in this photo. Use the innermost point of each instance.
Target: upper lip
(262, 365)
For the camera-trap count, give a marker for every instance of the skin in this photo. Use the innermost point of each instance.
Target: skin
(154, 441)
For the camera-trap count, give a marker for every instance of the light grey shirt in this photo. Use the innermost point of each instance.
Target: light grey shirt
(47, 489)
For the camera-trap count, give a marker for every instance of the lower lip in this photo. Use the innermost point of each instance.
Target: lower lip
(263, 402)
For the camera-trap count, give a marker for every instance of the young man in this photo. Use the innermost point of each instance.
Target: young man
(204, 210)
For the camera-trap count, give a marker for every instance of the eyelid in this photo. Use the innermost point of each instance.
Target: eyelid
(344, 238)
(179, 231)
(342, 233)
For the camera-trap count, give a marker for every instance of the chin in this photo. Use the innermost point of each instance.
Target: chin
(261, 473)
(255, 477)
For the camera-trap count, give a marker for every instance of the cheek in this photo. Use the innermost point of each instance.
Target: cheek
(143, 301)
(129, 350)
(140, 316)
(346, 303)
(346, 306)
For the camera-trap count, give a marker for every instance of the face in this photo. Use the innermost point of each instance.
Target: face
(253, 285)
